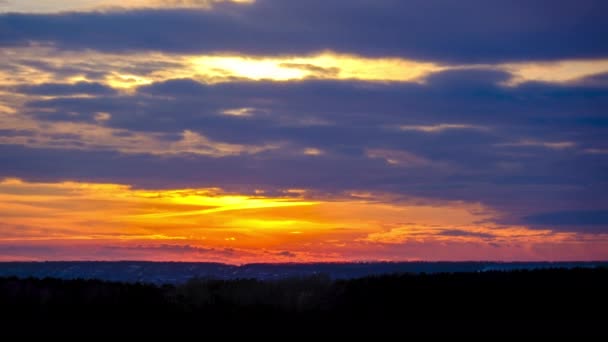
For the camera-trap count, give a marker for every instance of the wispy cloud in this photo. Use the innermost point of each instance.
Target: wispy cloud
(397, 157)
(553, 145)
(438, 128)
(58, 6)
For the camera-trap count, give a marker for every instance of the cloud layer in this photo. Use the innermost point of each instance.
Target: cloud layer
(362, 103)
(471, 30)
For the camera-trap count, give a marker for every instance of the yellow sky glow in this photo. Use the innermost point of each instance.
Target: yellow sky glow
(241, 226)
(327, 65)
(120, 72)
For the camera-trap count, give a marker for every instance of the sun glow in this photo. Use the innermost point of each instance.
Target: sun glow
(96, 220)
(118, 71)
(327, 65)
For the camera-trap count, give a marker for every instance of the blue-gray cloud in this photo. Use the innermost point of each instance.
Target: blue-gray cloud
(346, 115)
(469, 30)
(583, 220)
(464, 233)
(61, 89)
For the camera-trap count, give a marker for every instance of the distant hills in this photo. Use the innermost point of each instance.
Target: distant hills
(180, 272)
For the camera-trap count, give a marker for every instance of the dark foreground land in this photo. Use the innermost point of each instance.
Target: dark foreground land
(180, 272)
(540, 302)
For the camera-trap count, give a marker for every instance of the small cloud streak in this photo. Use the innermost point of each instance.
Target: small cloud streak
(311, 151)
(596, 150)
(565, 71)
(396, 157)
(57, 6)
(553, 145)
(102, 117)
(239, 111)
(439, 128)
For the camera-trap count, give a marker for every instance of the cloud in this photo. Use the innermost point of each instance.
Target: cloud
(62, 89)
(311, 151)
(58, 6)
(110, 251)
(163, 248)
(596, 150)
(464, 233)
(104, 221)
(582, 72)
(21, 251)
(597, 80)
(501, 114)
(395, 157)
(315, 70)
(165, 133)
(581, 220)
(438, 128)
(554, 145)
(286, 254)
(125, 71)
(517, 30)
(86, 129)
(480, 234)
(352, 115)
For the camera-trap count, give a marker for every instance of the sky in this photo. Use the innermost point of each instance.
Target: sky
(303, 131)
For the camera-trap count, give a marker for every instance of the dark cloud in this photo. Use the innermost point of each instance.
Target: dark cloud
(582, 220)
(315, 70)
(168, 248)
(347, 117)
(470, 30)
(287, 254)
(466, 80)
(530, 189)
(52, 251)
(597, 80)
(464, 233)
(15, 133)
(176, 87)
(26, 250)
(62, 89)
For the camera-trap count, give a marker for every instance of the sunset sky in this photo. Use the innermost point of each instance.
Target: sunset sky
(303, 130)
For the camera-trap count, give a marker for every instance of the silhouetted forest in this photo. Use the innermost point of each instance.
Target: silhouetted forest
(544, 302)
